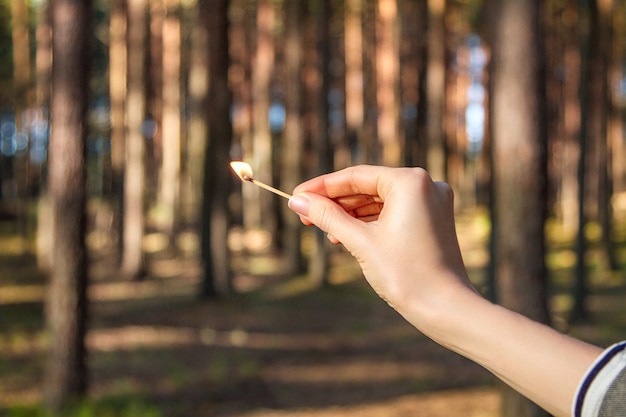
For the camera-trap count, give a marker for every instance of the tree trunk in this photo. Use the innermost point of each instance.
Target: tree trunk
(413, 50)
(262, 153)
(387, 75)
(197, 125)
(117, 99)
(134, 177)
(66, 306)
(170, 117)
(519, 146)
(354, 78)
(217, 174)
(316, 76)
(292, 142)
(435, 88)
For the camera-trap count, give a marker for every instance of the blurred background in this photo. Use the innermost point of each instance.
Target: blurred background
(139, 276)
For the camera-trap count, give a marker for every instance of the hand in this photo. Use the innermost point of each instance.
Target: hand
(398, 224)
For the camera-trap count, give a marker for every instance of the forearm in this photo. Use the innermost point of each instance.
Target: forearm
(539, 362)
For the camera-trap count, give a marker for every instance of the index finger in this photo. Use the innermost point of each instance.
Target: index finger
(362, 180)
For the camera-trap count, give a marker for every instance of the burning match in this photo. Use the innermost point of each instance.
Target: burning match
(244, 172)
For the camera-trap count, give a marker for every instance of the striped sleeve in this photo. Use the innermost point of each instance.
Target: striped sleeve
(602, 391)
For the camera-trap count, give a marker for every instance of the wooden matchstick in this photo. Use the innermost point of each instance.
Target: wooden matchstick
(267, 187)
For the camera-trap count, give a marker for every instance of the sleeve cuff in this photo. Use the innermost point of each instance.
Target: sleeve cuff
(598, 380)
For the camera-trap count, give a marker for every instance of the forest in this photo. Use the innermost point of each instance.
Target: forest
(139, 276)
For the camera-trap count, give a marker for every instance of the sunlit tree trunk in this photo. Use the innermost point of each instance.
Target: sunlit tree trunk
(169, 185)
(134, 176)
(435, 90)
(23, 100)
(369, 145)
(262, 66)
(292, 141)
(519, 146)
(66, 305)
(217, 174)
(43, 67)
(387, 75)
(354, 79)
(117, 99)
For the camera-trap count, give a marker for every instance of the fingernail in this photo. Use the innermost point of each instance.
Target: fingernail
(299, 204)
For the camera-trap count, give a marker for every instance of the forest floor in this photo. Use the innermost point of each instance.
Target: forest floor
(277, 348)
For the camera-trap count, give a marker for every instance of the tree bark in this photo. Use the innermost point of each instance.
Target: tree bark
(134, 177)
(170, 117)
(217, 174)
(435, 90)
(117, 99)
(387, 75)
(66, 305)
(292, 141)
(519, 146)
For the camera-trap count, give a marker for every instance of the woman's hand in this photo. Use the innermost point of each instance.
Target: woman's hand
(398, 224)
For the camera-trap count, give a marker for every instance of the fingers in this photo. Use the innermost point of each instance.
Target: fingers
(332, 218)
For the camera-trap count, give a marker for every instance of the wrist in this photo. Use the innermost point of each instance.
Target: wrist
(443, 311)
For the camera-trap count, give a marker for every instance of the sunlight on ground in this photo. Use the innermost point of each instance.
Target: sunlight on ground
(479, 402)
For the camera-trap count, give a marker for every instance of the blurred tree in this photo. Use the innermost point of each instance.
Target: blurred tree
(22, 68)
(292, 140)
(315, 92)
(132, 264)
(599, 107)
(519, 146)
(217, 175)
(6, 56)
(117, 99)
(616, 74)
(354, 78)
(197, 125)
(369, 145)
(262, 152)
(387, 81)
(66, 305)
(594, 182)
(169, 185)
(43, 68)
(23, 103)
(413, 58)
(435, 89)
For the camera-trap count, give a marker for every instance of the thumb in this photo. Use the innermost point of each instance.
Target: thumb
(328, 216)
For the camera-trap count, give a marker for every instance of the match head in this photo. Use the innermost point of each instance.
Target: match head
(243, 170)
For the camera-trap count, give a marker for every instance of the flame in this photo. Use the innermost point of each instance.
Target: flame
(242, 169)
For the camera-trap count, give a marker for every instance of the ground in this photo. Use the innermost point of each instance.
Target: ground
(276, 348)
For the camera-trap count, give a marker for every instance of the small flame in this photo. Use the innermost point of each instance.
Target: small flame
(242, 169)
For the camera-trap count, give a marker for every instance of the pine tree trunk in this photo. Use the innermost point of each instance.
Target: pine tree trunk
(117, 99)
(217, 174)
(134, 177)
(66, 305)
(519, 146)
(435, 88)
(292, 141)
(170, 121)
(387, 75)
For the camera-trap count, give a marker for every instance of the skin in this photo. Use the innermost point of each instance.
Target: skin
(399, 225)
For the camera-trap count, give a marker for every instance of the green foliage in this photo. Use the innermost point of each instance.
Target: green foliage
(112, 407)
